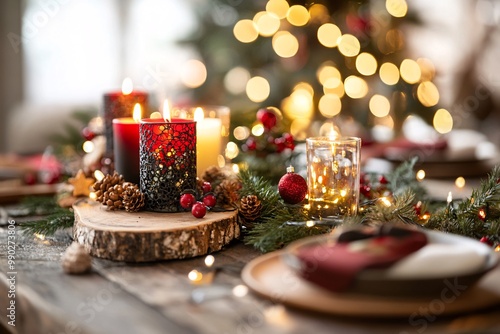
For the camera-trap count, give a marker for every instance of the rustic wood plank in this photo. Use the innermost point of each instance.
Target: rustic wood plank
(50, 301)
(151, 236)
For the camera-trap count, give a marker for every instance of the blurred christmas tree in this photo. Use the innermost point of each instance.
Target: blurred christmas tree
(316, 61)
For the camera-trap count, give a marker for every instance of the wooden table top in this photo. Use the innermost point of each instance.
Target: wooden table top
(117, 297)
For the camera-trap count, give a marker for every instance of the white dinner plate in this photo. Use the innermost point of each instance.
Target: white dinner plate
(445, 257)
(271, 277)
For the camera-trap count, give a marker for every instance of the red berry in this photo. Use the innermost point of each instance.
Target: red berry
(187, 200)
(280, 144)
(418, 208)
(199, 210)
(251, 144)
(206, 187)
(268, 118)
(88, 134)
(365, 190)
(209, 200)
(382, 179)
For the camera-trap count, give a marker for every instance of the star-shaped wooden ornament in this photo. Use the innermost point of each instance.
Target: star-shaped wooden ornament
(81, 184)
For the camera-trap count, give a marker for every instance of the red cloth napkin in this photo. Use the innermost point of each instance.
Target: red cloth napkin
(335, 266)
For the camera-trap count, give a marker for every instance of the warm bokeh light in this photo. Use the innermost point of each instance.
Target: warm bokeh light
(267, 24)
(98, 175)
(410, 71)
(355, 87)
(394, 40)
(299, 104)
(209, 260)
(88, 146)
(240, 290)
(235, 81)
(334, 86)
(305, 86)
(443, 122)
(426, 68)
(327, 71)
(195, 276)
(379, 105)
(193, 73)
(279, 8)
(300, 128)
(329, 105)
(232, 150)
(366, 63)
(319, 13)
(298, 15)
(328, 35)
(258, 89)
(428, 94)
(420, 175)
(349, 45)
(245, 31)
(241, 132)
(285, 44)
(397, 8)
(460, 182)
(258, 130)
(389, 74)
(329, 129)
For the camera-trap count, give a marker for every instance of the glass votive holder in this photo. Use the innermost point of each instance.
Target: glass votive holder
(213, 126)
(167, 162)
(333, 167)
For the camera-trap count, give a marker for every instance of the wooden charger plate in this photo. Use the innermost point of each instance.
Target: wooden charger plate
(271, 277)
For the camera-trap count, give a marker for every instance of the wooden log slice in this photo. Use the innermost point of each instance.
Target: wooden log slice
(150, 236)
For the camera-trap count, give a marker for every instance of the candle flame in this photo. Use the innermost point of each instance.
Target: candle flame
(166, 111)
(127, 86)
(199, 115)
(137, 113)
(450, 198)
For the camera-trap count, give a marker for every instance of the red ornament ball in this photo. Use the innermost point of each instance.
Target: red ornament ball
(209, 200)
(267, 117)
(199, 210)
(187, 200)
(292, 187)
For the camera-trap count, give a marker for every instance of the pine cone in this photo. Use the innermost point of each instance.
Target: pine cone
(227, 192)
(101, 187)
(133, 198)
(250, 208)
(113, 198)
(213, 174)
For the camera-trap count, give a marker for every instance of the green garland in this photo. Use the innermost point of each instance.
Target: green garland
(273, 232)
(477, 216)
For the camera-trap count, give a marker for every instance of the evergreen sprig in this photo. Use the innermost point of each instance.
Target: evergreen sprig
(53, 216)
(50, 224)
(464, 218)
(399, 209)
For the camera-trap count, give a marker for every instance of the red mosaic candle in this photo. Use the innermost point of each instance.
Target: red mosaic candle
(167, 162)
(119, 105)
